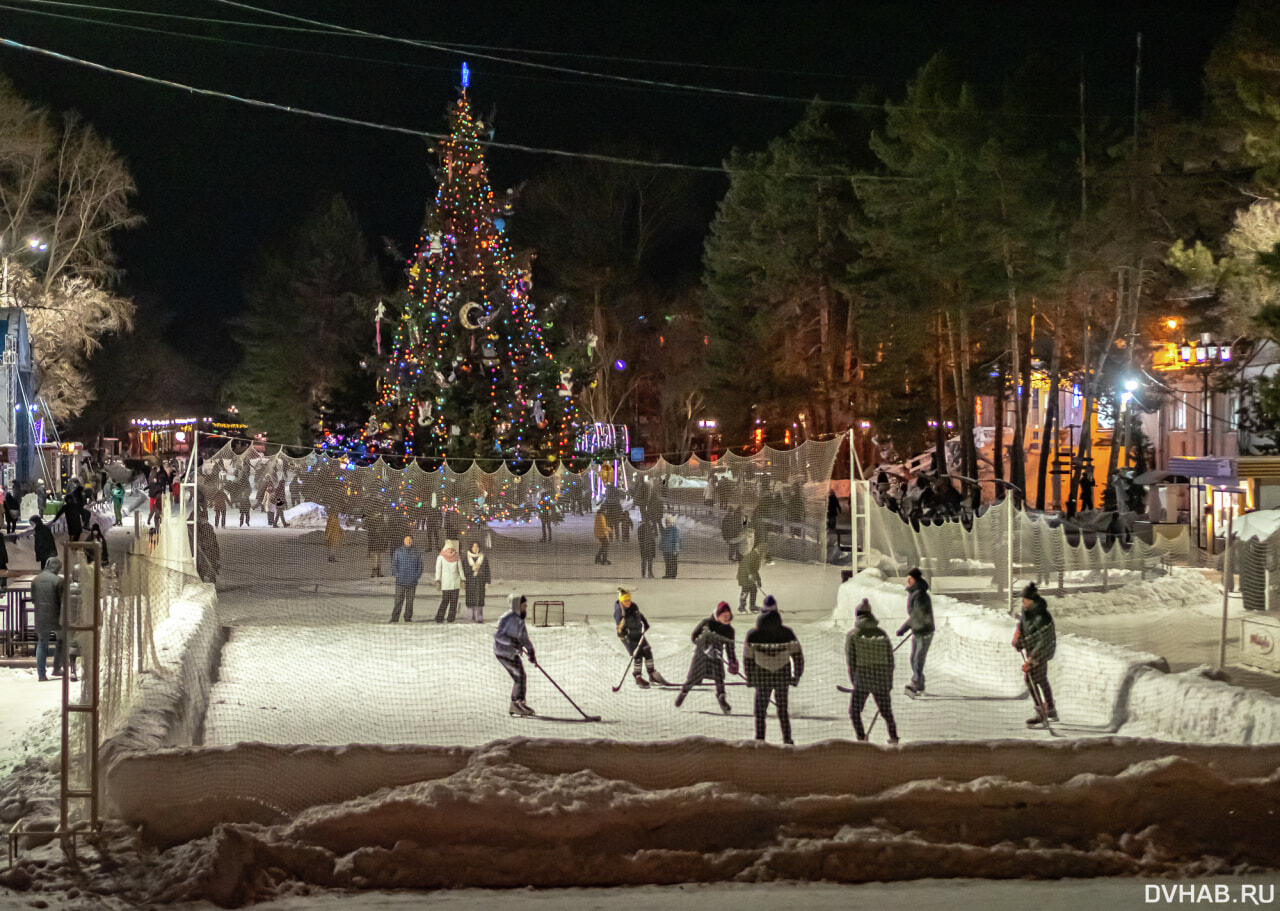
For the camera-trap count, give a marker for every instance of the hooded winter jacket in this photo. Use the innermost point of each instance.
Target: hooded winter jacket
(631, 624)
(919, 610)
(1036, 633)
(511, 636)
(772, 655)
(869, 656)
(46, 595)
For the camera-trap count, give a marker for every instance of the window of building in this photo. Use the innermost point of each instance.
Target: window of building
(1180, 414)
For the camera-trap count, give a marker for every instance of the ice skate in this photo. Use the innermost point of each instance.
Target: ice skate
(524, 707)
(724, 705)
(655, 677)
(641, 682)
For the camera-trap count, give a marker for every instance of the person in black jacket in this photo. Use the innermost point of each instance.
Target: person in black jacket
(869, 658)
(920, 622)
(773, 662)
(73, 508)
(1037, 639)
(712, 637)
(647, 538)
(12, 506)
(632, 625)
(42, 538)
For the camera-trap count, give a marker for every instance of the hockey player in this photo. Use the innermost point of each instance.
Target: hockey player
(749, 579)
(774, 662)
(1036, 638)
(509, 641)
(870, 660)
(712, 637)
(920, 622)
(632, 626)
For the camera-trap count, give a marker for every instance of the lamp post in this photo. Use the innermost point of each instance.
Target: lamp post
(1202, 357)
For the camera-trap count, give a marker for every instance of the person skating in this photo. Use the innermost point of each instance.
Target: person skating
(869, 657)
(406, 568)
(749, 579)
(510, 639)
(449, 576)
(42, 540)
(375, 533)
(95, 534)
(774, 662)
(669, 546)
(602, 535)
(647, 539)
(280, 502)
(1038, 640)
(920, 622)
(712, 637)
(478, 573)
(219, 501)
(632, 626)
(46, 596)
(73, 509)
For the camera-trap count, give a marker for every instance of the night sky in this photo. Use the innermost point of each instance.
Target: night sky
(217, 178)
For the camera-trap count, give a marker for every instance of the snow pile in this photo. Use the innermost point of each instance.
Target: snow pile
(306, 515)
(1182, 588)
(1190, 706)
(169, 707)
(545, 814)
(1259, 525)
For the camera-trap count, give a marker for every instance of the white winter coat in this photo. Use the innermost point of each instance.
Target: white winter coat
(449, 575)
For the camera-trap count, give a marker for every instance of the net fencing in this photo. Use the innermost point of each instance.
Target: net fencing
(309, 559)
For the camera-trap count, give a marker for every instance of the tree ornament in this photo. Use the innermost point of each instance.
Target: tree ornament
(436, 247)
(424, 412)
(539, 416)
(378, 316)
(565, 387)
(467, 315)
(592, 340)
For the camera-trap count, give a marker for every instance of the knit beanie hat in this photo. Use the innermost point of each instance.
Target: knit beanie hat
(624, 596)
(770, 603)
(915, 573)
(1031, 592)
(723, 608)
(864, 607)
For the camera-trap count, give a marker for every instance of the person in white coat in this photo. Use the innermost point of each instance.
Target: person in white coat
(449, 577)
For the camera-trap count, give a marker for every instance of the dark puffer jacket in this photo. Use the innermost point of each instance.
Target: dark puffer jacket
(631, 624)
(772, 655)
(711, 638)
(1036, 633)
(919, 611)
(869, 656)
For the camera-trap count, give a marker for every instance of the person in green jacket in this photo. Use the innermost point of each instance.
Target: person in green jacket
(117, 502)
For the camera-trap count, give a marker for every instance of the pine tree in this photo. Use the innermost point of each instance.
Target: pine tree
(469, 371)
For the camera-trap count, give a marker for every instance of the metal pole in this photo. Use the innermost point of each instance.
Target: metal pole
(1204, 407)
(1008, 551)
(853, 506)
(1226, 592)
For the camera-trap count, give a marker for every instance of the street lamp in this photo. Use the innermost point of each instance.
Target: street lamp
(1203, 356)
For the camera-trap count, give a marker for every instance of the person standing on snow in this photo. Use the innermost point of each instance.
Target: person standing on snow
(117, 503)
(406, 569)
(46, 596)
(732, 530)
(774, 662)
(712, 637)
(332, 534)
(869, 657)
(42, 540)
(920, 622)
(632, 626)
(42, 496)
(1037, 639)
(478, 573)
(219, 500)
(12, 506)
(647, 538)
(749, 579)
(602, 535)
(449, 575)
(73, 508)
(509, 641)
(669, 545)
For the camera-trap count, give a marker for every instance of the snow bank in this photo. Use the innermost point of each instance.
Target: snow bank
(170, 706)
(544, 813)
(1259, 525)
(1191, 706)
(1088, 675)
(1181, 588)
(306, 515)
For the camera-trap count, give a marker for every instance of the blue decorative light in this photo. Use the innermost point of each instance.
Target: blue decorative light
(619, 364)
(466, 75)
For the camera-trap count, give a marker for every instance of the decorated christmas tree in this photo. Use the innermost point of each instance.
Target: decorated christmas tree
(469, 372)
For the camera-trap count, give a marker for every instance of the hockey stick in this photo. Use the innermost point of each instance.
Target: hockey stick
(630, 661)
(585, 716)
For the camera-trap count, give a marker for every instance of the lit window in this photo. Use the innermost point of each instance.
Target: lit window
(1180, 414)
